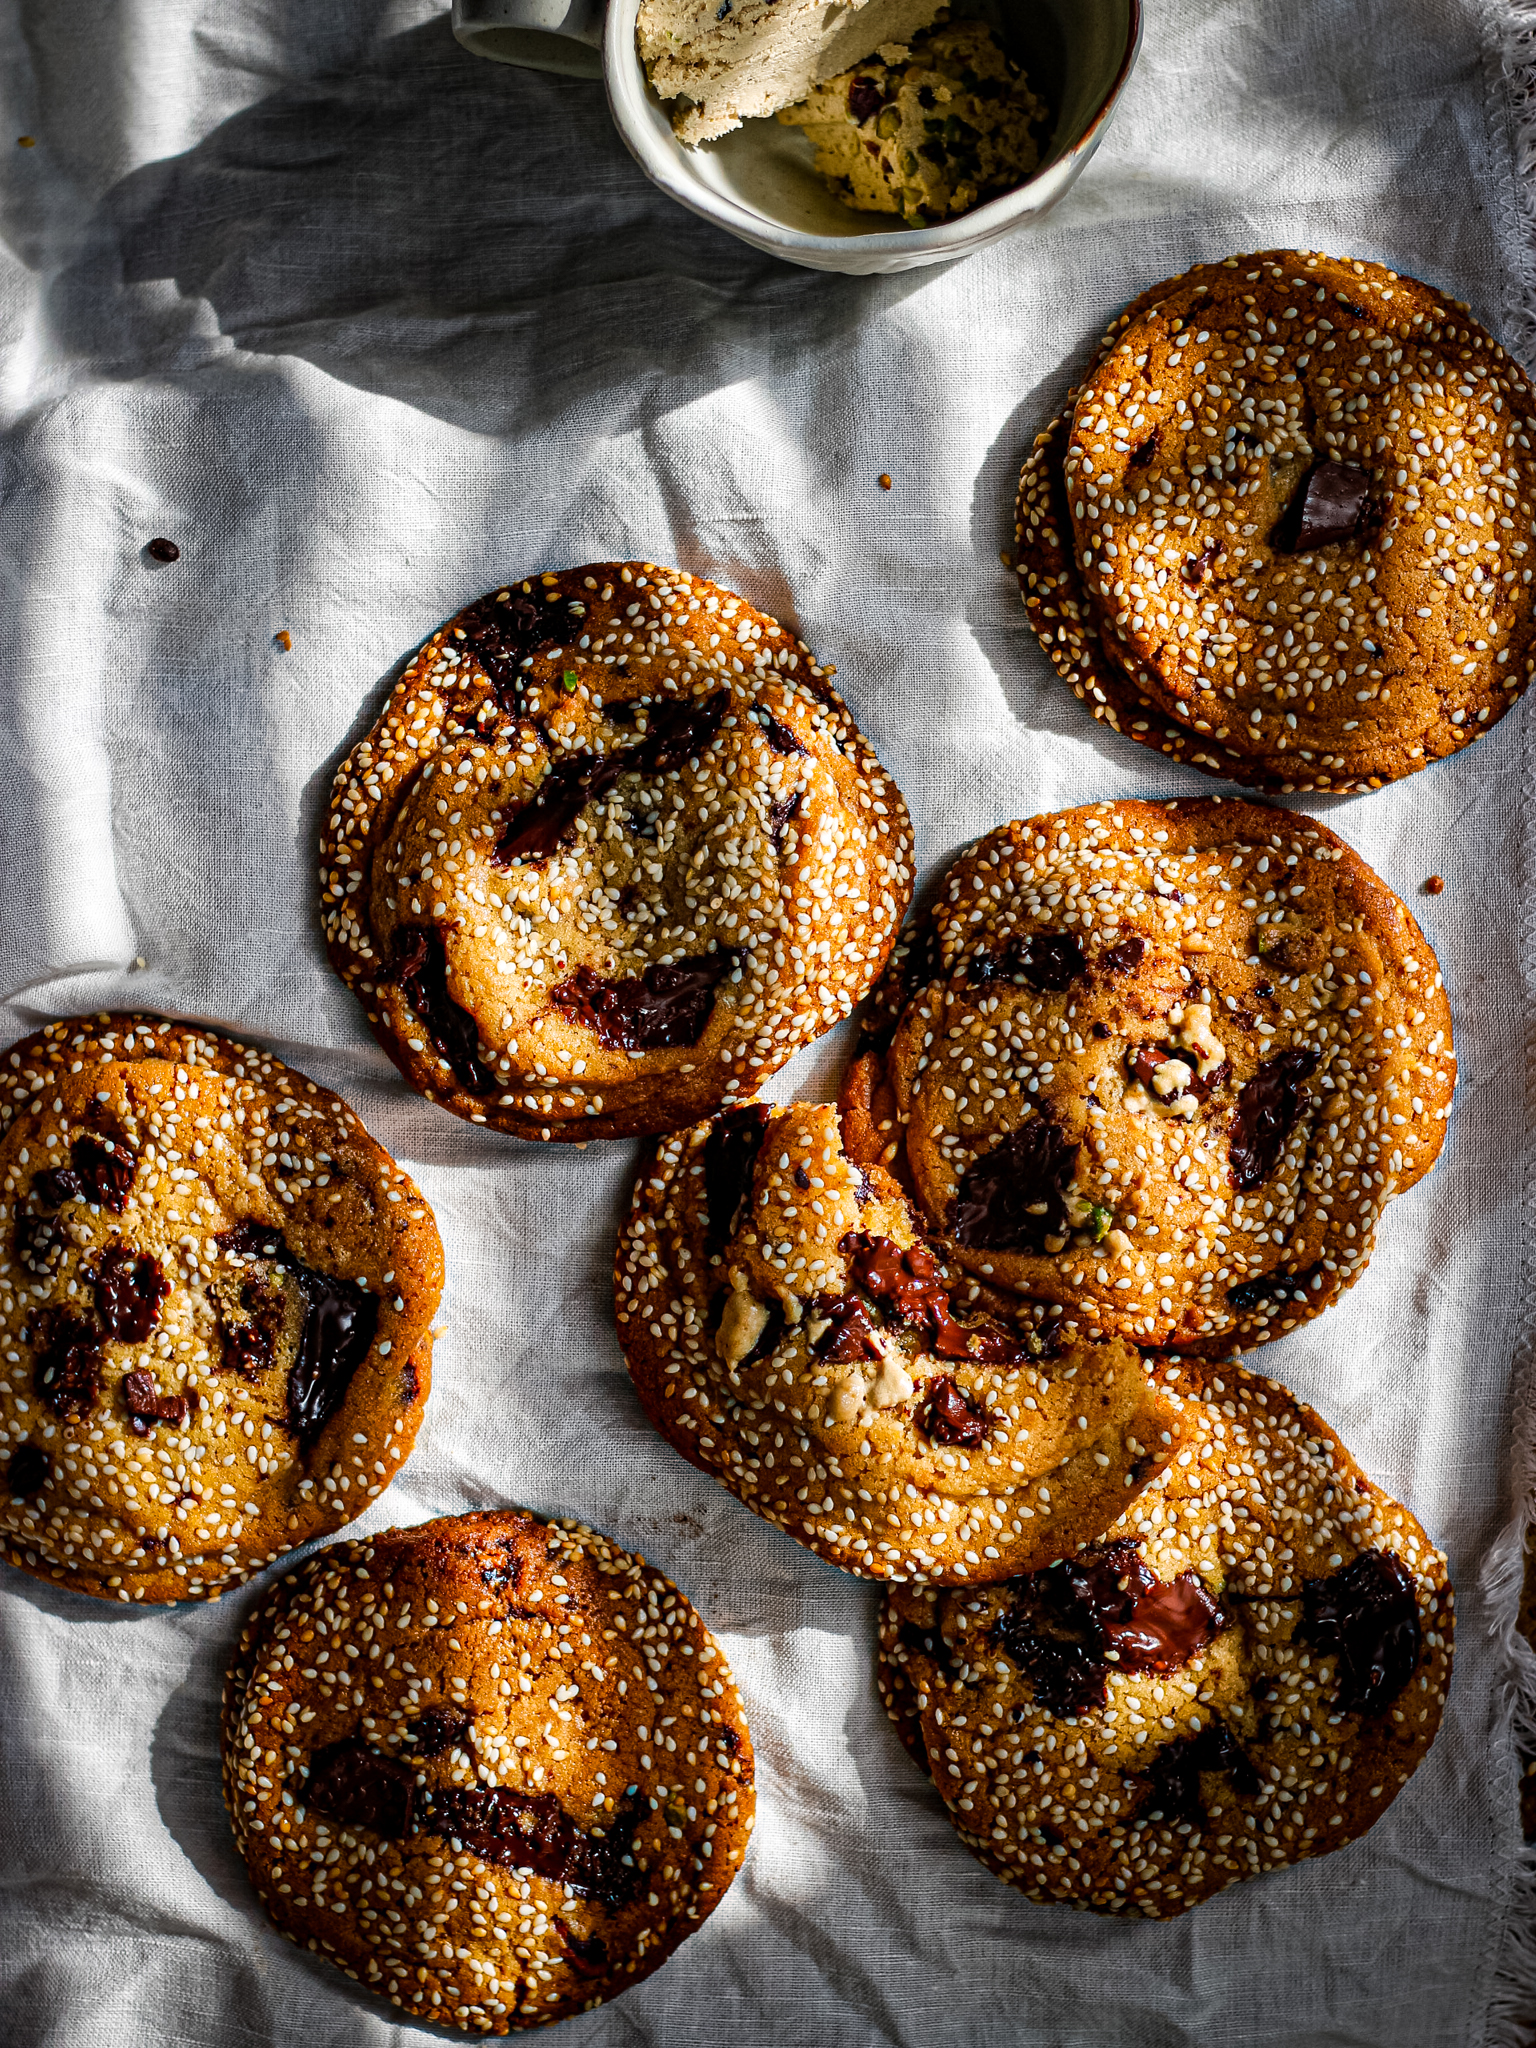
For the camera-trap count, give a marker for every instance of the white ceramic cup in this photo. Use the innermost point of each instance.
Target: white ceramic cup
(759, 183)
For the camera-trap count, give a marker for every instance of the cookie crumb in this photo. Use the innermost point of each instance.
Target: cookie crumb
(1435, 886)
(284, 639)
(884, 481)
(26, 142)
(162, 550)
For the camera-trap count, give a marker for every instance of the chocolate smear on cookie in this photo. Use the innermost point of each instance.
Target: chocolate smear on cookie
(100, 1171)
(340, 1320)
(532, 1831)
(129, 1290)
(1367, 1615)
(421, 968)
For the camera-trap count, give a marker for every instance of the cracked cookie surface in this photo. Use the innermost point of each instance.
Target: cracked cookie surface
(1245, 1672)
(612, 853)
(493, 1767)
(1159, 1068)
(789, 1331)
(216, 1296)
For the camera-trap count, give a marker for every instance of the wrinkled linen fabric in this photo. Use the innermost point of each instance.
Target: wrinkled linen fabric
(367, 326)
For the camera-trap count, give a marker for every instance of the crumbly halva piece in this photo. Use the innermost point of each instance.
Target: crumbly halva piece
(1159, 1068)
(929, 134)
(722, 62)
(493, 1767)
(1244, 1673)
(612, 853)
(216, 1297)
(1293, 518)
(789, 1331)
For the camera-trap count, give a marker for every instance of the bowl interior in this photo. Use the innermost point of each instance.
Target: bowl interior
(1073, 53)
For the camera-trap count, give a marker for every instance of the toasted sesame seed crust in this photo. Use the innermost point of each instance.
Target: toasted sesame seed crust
(1155, 550)
(479, 1654)
(725, 1332)
(1221, 956)
(171, 1418)
(1262, 1500)
(774, 858)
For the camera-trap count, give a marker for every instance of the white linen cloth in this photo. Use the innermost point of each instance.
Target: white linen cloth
(367, 326)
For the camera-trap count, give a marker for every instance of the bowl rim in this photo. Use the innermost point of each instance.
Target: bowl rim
(622, 68)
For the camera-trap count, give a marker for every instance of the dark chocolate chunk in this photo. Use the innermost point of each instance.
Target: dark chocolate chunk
(69, 1362)
(1277, 1287)
(248, 1348)
(1049, 961)
(1266, 1114)
(730, 1154)
(100, 1170)
(1367, 1615)
(439, 1728)
(340, 1319)
(533, 1832)
(1065, 1676)
(410, 1382)
(37, 1242)
(1123, 958)
(421, 968)
(162, 550)
(501, 1568)
(1014, 1197)
(1144, 451)
(909, 1287)
(930, 1643)
(588, 1953)
(780, 738)
(949, 1416)
(663, 1007)
(849, 1334)
(1329, 506)
(728, 1739)
(27, 1472)
(781, 816)
(1174, 1775)
(801, 1178)
(1195, 568)
(147, 1405)
(353, 1784)
(129, 1290)
(864, 99)
(502, 632)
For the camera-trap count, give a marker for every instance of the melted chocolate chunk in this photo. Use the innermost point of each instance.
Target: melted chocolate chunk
(100, 1170)
(781, 816)
(1066, 1677)
(1367, 1615)
(248, 1348)
(37, 1242)
(678, 728)
(353, 1784)
(1329, 506)
(69, 1362)
(948, 1416)
(1144, 1061)
(533, 1832)
(1143, 452)
(909, 1287)
(439, 1728)
(27, 1471)
(1049, 961)
(864, 99)
(664, 1007)
(502, 633)
(849, 1334)
(147, 1405)
(1123, 958)
(129, 1290)
(588, 1953)
(1014, 1197)
(1174, 1776)
(780, 738)
(730, 1155)
(340, 1319)
(421, 968)
(930, 1643)
(1276, 1287)
(1266, 1114)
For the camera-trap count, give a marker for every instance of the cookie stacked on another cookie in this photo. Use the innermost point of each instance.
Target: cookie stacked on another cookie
(1284, 533)
(1156, 1070)
(216, 1296)
(1244, 1673)
(493, 1767)
(789, 1330)
(613, 852)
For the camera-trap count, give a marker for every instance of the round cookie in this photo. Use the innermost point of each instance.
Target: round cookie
(789, 1331)
(1244, 1673)
(1161, 1067)
(612, 853)
(216, 1297)
(493, 1767)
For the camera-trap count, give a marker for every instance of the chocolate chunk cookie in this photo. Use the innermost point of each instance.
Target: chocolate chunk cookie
(493, 1767)
(1245, 1672)
(1160, 1067)
(216, 1294)
(789, 1331)
(1284, 532)
(613, 852)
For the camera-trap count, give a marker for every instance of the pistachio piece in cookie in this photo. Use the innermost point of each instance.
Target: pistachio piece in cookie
(789, 1330)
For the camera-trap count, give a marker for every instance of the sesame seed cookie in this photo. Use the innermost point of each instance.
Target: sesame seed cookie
(1160, 1067)
(789, 1331)
(216, 1296)
(493, 1767)
(1244, 1673)
(613, 852)
(1299, 494)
